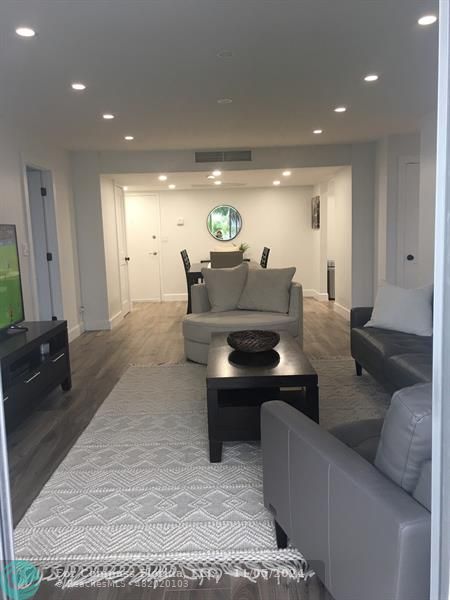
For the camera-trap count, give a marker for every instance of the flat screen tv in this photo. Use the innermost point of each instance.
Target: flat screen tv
(11, 301)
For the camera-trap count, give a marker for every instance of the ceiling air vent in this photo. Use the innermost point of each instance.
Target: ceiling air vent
(223, 156)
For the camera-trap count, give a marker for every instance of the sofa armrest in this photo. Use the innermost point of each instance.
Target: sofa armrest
(367, 537)
(296, 307)
(199, 298)
(360, 316)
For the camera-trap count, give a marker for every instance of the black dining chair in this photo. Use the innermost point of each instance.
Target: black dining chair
(187, 266)
(264, 257)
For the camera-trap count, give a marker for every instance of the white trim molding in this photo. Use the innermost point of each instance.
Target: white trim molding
(341, 310)
(175, 297)
(75, 331)
(320, 296)
(116, 319)
(440, 479)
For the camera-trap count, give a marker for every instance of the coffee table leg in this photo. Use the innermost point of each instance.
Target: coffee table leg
(215, 451)
(312, 402)
(282, 538)
(215, 446)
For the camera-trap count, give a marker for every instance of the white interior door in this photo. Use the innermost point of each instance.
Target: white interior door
(45, 244)
(142, 231)
(408, 223)
(122, 251)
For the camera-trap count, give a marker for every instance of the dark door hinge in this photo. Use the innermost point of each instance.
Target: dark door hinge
(43, 192)
(49, 256)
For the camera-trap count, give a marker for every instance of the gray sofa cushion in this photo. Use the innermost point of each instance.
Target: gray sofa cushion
(267, 290)
(225, 286)
(361, 436)
(405, 443)
(405, 370)
(383, 343)
(422, 493)
(198, 327)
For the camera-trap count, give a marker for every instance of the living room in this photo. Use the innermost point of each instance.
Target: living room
(106, 109)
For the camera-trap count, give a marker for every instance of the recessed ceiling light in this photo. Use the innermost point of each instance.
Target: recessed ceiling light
(108, 116)
(276, 182)
(129, 138)
(211, 176)
(340, 109)
(217, 182)
(162, 177)
(172, 186)
(318, 131)
(125, 188)
(427, 20)
(371, 77)
(216, 173)
(78, 86)
(286, 173)
(26, 32)
(224, 101)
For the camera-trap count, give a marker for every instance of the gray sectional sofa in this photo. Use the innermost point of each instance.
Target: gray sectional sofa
(395, 359)
(355, 501)
(198, 326)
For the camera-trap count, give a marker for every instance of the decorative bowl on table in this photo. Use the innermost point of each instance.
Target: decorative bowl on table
(253, 341)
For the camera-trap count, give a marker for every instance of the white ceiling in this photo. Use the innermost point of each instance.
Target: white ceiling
(155, 65)
(148, 182)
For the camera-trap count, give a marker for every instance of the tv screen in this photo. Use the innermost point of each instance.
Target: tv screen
(11, 304)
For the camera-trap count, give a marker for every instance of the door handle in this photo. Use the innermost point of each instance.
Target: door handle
(154, 253)
(410, 257)
(127, 258)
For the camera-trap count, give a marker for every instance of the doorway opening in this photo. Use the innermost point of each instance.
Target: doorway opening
(45, 270)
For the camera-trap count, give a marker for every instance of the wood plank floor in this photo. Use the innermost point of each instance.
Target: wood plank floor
(150, 334)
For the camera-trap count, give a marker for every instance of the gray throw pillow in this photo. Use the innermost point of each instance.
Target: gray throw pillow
(267, 290)
(224, 286)
(406, 310)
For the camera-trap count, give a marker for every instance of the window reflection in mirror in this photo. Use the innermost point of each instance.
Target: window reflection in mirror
(224, 223)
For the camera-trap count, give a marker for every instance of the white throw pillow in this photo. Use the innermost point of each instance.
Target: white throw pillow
(400, 309)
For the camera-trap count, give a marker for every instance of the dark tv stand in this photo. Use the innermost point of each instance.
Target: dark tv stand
(34, 361)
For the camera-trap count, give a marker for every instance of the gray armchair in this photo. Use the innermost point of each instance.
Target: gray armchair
(356, 503)
(198, 326)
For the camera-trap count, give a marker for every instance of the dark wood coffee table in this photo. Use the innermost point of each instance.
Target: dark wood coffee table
(235, 392)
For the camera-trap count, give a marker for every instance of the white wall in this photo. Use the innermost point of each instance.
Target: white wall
(91, 246)
(111, 248)
(279, 218)
(89, 166)
(340, 237)
(427, 199)
(16, 151)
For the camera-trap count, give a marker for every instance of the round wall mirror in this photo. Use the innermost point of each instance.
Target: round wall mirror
(224, 223)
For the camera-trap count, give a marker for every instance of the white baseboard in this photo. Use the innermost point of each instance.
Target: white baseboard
(320, 296)
(75, 331)
(101, 325)
(175, 297)
(142, 300)
(343, 311)
(115, 319)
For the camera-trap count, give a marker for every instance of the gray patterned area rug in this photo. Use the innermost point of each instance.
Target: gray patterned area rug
(136, 499)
